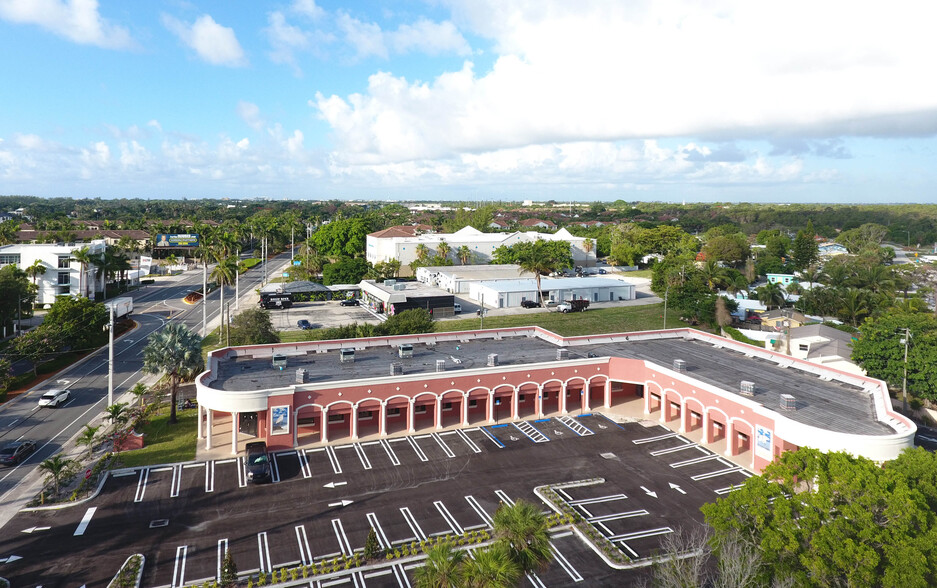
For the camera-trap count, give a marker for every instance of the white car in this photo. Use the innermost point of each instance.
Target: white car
(54, 398)
(457, 308)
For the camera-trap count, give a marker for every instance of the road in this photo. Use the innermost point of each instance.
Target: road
(154, 306)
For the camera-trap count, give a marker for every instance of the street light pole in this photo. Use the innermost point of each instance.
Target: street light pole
(110, 359)
(237, 281)
(904, 380)
(204, 297)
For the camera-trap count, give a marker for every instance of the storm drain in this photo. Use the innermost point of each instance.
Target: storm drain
(159, 523)
(608, 456)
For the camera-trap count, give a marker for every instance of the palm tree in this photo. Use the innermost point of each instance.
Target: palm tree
(464, 254)
(56, 467)
(876, 278)
(714, 274)
(88, 437)
(739, 284)
(422, 252)
(224, 274)
(492, 568)
(84, 257)
(853, 304)
(117, 415)
(523, 529)
(443, 249)
(177, 352)
(812, 274)
(37, 269)
(587, 245)
(441, 568)
(771, 294)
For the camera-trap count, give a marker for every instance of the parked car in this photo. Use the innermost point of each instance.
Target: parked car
(15, 452)
(258, 462)
(54, 398)
(457, 308)
(602, 271)
(349, 302)
(530, 304)
(304, 324)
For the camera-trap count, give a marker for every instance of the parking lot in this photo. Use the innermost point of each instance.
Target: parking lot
(324, 500)
(320, 314)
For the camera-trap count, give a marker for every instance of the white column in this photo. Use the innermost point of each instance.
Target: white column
(683, 417)
(562, 403)
(383, 425)
(410, 415)
(707, 426)
(198, 412)
(208, 422)
(538, 406)
(465, 410)
(325, 425)
(234, 433)
(663, 406)
(608, 393)
(514, 403)
(730, 438)
(438, 413)
(647, 400)
(491, 406)
(354, 422)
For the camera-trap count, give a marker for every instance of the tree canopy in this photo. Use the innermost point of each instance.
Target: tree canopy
(880, 352)
(252, 326)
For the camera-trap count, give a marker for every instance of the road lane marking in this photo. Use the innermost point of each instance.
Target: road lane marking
(416, 448)
(532, 432)
(414, 526)
(390, 452)
(222, 549)
(263, 550)
(575, 426)
(141, 484)
(210, 476)
(343, 543)
(443, 445)
(305, 554)
(365, 462)
(176, 483)
(450, 520)
(85, 520)
(178, 568)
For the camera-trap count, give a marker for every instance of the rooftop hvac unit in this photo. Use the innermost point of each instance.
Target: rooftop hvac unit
(396, 369)
(492, 359)
(788, 402)
(679, 365)
(405, 350)
(389, 283)
(347, 355)
(747, 388)
(562, 354)
(399, 287)
(279, 361)
(440, 365)
(301, 376)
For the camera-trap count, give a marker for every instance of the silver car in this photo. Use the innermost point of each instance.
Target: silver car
(54, 398)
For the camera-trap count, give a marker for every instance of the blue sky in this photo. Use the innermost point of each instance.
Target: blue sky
(470, 99)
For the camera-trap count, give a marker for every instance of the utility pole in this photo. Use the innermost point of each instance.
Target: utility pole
(237, 281)
(291, 246)
(904, 380)
(204, 297)
(110, 359)
(666, 294)
(227, 325)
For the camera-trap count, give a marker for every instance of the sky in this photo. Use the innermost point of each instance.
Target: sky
(475, 100)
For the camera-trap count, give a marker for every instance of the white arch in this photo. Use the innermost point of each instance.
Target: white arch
(347, 402)
(733, 420)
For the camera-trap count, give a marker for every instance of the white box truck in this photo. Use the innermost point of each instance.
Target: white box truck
(122, 306)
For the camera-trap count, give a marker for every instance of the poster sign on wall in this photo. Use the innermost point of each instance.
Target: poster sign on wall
(763, 441)
(281, 420)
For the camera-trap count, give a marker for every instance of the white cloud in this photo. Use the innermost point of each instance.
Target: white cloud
(308, 8)
(601, 71)
(431, 38)
(155, 124)
(75, 20)
(133, 155)
(366, 38)
(98, 156)
(29, 142)
(250, 114)
(294, 144)
(285, 39)
(214, 43)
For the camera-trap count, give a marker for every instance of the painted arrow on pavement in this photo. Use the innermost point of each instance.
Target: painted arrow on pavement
(648, 492)
(334, 484)
(677, 488)
(9, 559)
(33, 529)
(342, 503)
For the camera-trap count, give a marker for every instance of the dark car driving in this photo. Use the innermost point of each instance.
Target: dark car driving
(349, 302)
(15, 452)
(304, 324)
(530, 304)
(258, 463)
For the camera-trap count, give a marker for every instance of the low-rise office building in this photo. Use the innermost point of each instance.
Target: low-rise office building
(512, 293)
(61, 274)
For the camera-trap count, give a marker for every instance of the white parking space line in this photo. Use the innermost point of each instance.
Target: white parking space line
(176, 484)
(674, 449)
(401, 576)
(85, 520)
(695, 460)
(575, 426)
(499, 444)
(564, 563)
(597, 499)
(478, 508)
(343, 543)
(304, 464)
(362, 456)
(450, 520)
(411, 522)
(504, 497)
(390, 452)
(178, 568)
(443, 445)
(416, 448)
(716, 473)
(336, 582)
(618, 516)
(722, 491)
(469, 442)
(535, 580)
(263, 550)
(532, 432)
(381, 537)
(210, 476)
(657, 438)
(336, 467)
(274, 469)
(305, 554)
(222, 549)
(141, 484)
(641, 534)
(242, 472)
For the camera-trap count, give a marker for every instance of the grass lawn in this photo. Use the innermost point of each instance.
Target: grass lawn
(605, 320)
(165, 443)
(645, 273)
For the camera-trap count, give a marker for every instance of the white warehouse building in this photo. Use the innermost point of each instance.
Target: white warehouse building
(458, 278)
(391, 244)
(63, 275)
(509, 293)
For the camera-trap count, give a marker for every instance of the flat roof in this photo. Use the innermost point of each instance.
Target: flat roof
(528, 284)
(831, 405)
